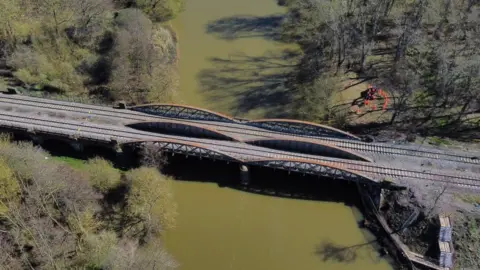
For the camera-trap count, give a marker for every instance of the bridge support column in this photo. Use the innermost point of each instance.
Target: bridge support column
(382, 199)
(78, 146)
(36, 139)
(244, 175)
(376, 195)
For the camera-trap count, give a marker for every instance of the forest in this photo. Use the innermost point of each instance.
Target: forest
(425, 53)
(108, 50)
(53, 216)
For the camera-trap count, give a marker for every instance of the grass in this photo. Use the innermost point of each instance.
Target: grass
(469, 198)
(467, 243)
(438, 141)
(75, 163)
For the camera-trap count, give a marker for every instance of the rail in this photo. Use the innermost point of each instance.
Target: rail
(235, 129)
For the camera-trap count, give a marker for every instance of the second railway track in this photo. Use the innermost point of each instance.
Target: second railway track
(246, 152)
(237, 128)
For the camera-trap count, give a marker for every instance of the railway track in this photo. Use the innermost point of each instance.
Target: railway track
(247, 153)
(235, 129)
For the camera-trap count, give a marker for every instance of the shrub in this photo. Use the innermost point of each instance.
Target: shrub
(162, 10)
(150, 201)
(102, 175)
(9, 188)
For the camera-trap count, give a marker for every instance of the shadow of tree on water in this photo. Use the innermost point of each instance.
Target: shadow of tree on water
(329, 251)
(249, 83)
(238, 27)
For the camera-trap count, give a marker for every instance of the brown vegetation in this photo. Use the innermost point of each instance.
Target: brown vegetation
(55, 217)
(424, 52)
(91, 47)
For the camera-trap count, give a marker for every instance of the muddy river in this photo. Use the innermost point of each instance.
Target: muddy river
(228, 55)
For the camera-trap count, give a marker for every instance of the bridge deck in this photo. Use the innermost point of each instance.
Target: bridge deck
(376, 151)
(387, 155)
(241, 151)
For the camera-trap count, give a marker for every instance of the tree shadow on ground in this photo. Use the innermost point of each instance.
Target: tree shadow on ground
(249, 83)
(238, 27)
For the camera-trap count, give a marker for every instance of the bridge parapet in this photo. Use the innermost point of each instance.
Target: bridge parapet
(183, 129)
(186, 149)
(297, 127)
(314, 168)
(309, 147)
(182, 112)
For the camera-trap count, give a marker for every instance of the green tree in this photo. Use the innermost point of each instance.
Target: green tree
(161, 10)
(150, 202)
(141, 59)
(9, 188)
(102, 175)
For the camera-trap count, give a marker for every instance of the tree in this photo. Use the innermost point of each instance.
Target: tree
(150, 203)
(9, 188)
(161, 10)
(102, 175)
(141, 59)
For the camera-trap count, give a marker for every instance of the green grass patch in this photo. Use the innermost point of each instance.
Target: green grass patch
(438, 141)
(76, 163)
(72, 162)
(469, 198)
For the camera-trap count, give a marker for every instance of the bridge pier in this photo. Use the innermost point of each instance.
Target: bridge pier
(36, 139)
(77, 146)
(244, 175)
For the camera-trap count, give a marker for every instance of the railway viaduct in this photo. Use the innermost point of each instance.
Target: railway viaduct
(295, 146)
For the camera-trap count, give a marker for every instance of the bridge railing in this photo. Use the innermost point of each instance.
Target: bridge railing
(73, 99)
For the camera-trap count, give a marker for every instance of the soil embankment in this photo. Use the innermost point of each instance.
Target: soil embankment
(413, 214)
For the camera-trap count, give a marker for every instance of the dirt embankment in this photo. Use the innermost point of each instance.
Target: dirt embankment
(413, 214)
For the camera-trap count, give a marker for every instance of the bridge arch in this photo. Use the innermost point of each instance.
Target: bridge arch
(298, 127)
(187, 149)
(182, 112)
(182, 129)
(313, 167)
(309, 147)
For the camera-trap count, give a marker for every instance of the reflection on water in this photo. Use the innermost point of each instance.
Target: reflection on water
(275, 223)
(231, 61)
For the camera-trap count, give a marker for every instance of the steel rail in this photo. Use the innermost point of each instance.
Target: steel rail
(374, 169)
(353, 145)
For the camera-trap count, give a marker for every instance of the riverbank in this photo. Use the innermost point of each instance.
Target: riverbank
(279, 216)
(421, 206)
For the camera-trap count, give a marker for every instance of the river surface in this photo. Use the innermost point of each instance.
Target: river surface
(224, 228)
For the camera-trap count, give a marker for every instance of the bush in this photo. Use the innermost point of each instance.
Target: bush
(142, 60)
(102, 176)
(97, 249)
(161, 11)
(53, 219)
(9, 188)
(150, 201)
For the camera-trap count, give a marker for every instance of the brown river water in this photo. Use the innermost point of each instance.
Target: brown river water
(220, 228)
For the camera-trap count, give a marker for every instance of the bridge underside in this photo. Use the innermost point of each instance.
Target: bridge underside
(301, 128)
(182, 129)
(288, 126)
(181, 112)
(293, 165)
(309, 147)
